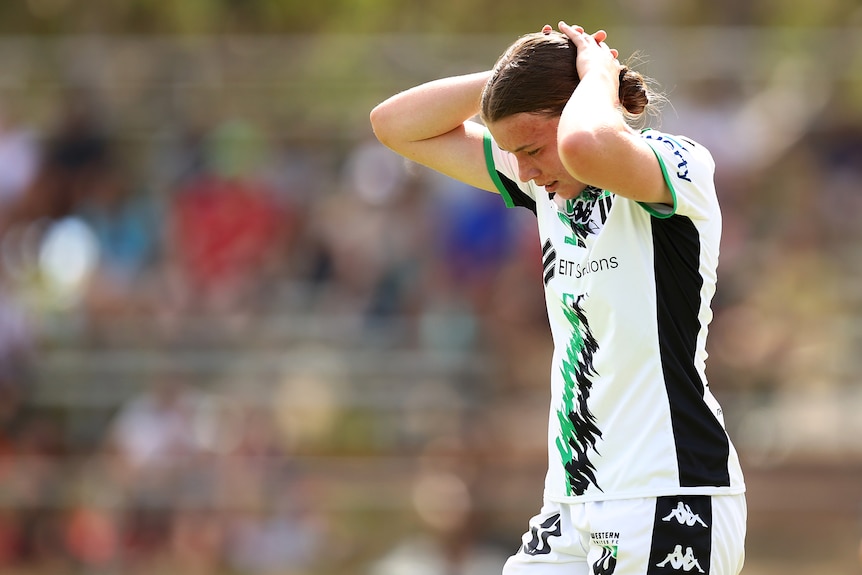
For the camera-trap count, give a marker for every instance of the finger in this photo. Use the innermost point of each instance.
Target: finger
(615, 53)
(575, 34)
(563, 27)
(546, 29)
(600, 36)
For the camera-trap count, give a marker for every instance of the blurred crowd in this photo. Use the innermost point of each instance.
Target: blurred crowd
(233, 227)
(222, 228)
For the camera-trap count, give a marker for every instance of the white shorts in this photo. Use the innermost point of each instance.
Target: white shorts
(674, 535)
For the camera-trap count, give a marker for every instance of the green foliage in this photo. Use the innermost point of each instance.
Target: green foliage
(395, 16)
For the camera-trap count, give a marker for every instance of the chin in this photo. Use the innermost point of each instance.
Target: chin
(572, 190)
(569, 193)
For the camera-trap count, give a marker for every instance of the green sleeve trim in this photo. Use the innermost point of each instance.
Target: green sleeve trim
(492, 171)
(650, 208)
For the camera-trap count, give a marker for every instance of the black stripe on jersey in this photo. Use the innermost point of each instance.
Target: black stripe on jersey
(549, 260)
(681, 536)
(702, 446)
(519, 198)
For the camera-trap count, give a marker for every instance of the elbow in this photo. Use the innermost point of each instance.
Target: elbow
(385, 125)
(580, 152)
(378, 119)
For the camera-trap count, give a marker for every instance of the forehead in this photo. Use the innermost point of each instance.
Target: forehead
(524, 131)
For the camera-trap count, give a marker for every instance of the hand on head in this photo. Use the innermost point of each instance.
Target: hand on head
(593, 52)
(576, 34)
(599, 36)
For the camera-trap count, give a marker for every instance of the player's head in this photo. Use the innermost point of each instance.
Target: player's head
(537, 74)
(524, 97)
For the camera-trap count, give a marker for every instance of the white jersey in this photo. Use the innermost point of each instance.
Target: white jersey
(628, 289)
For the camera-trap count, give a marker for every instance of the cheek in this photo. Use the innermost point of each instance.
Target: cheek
(552, 164)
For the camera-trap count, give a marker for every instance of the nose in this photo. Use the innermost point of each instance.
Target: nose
(527, 170)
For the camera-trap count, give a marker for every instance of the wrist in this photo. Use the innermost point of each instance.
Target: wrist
(603, 83)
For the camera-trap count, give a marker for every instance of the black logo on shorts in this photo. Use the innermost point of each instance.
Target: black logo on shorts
(538, 544)
(682, 538)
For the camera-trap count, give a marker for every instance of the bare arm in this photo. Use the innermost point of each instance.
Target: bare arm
(431, 124)
(595, 144)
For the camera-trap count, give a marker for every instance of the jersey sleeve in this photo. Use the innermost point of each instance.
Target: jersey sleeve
(503, 169)
(688, 170)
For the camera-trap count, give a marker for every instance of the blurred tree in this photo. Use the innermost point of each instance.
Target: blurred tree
(383, 16)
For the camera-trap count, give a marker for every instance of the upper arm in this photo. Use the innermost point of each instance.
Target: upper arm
(458, 154)
(616, 160)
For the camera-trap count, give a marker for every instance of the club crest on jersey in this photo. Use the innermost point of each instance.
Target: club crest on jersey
(586, 214)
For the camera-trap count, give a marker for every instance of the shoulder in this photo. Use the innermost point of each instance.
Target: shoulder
(689, 170)
(681, 148)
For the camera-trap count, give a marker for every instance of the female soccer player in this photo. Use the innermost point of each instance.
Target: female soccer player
(642, 476)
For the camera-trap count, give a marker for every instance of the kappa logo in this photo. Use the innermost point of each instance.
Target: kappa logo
(538, 544)
(684, 515)
(681, 561)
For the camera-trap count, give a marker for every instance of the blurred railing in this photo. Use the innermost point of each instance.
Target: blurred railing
(301, 81)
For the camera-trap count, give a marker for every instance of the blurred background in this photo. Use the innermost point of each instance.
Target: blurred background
(238, 336)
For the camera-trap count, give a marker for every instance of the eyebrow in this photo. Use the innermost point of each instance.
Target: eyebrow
(519, 149)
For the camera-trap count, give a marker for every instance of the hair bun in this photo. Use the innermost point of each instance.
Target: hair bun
(634, 95)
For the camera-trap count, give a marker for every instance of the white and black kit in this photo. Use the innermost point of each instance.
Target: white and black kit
(635, 436)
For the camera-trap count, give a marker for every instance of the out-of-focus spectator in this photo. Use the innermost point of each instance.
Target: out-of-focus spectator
(474, 238)
(150, 445)
(19, 159)
(11, 538)
(837, 145)
(92, 536)
(369, 237)
(275, 541)
(31, 476)
(474, 233)
(197, 539)
(227, 229)
(74, 159)
(452, 538)
(127, 226)
(153, 431)
(17, 339)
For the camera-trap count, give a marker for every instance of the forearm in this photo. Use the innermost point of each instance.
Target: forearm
(594, 107)
(428, 110)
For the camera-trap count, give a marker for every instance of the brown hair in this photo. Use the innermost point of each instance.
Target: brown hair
(537, 74)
